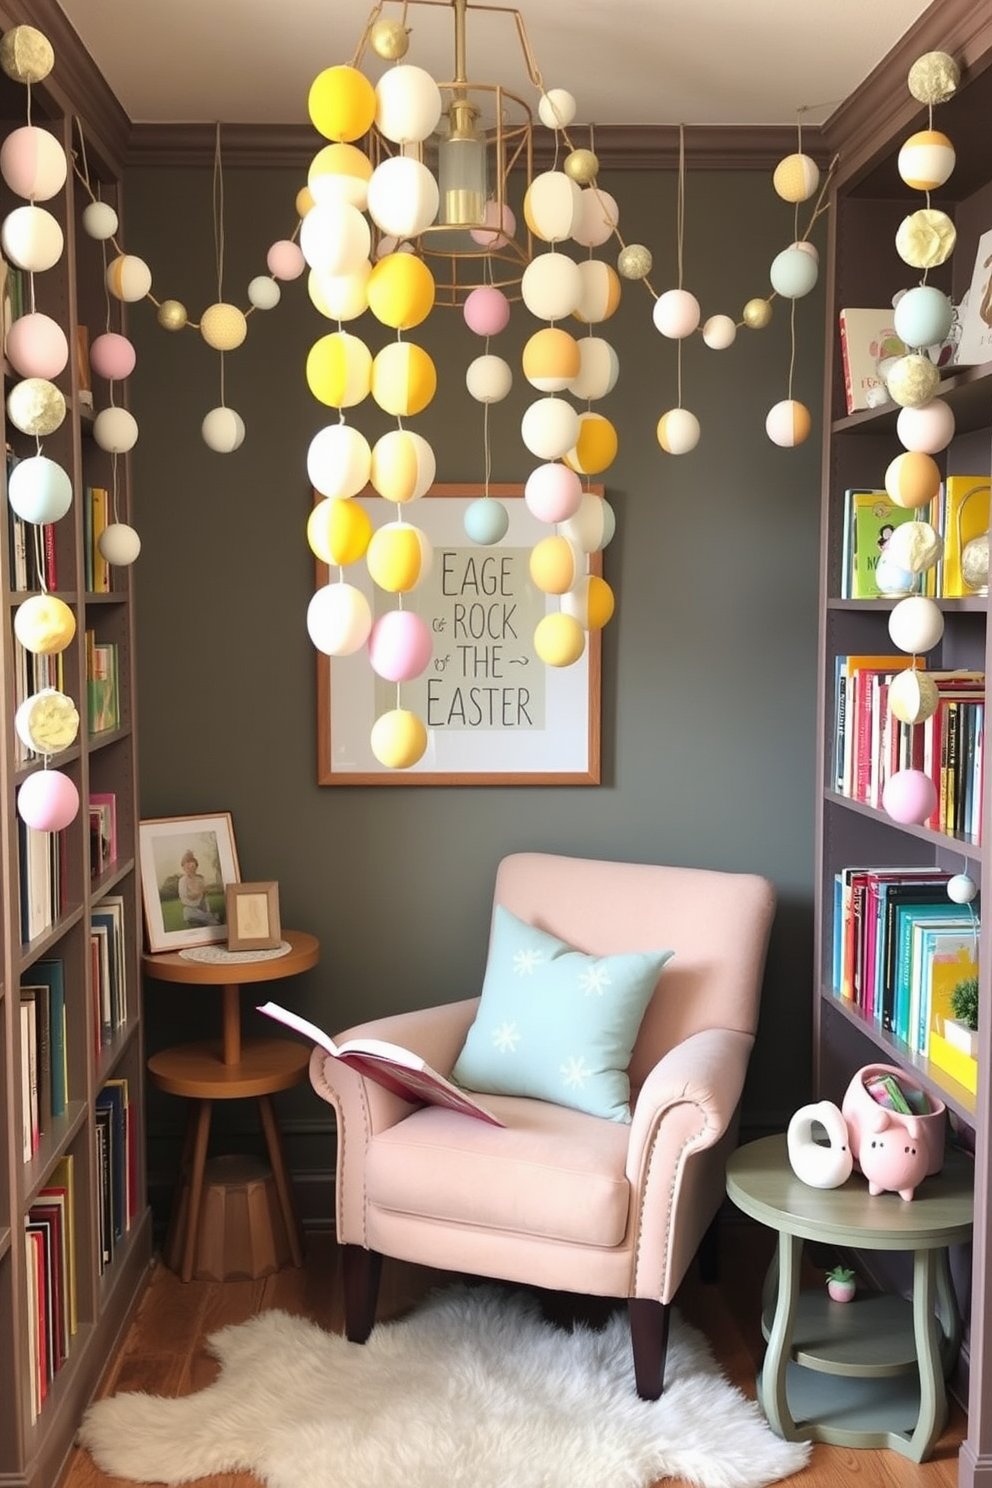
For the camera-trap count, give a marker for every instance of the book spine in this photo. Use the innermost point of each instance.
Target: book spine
(845, 357)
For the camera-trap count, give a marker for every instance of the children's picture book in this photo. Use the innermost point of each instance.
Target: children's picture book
(867, 342)
(975, 344)
(390, 1065)
(966, 516)
(871, 516)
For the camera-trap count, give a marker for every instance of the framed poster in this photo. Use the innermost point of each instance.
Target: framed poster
(495, 713)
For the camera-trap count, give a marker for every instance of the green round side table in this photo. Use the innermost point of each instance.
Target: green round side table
(867, 1373)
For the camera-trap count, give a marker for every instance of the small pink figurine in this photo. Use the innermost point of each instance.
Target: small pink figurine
(893, 1157)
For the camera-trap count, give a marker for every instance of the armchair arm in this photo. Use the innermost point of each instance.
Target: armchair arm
(683, 1122)
(363, 1108)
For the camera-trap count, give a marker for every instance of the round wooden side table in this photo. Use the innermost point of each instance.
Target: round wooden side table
(231, 1068)
(867, 1373)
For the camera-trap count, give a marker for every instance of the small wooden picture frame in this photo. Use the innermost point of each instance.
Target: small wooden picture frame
(253, 916)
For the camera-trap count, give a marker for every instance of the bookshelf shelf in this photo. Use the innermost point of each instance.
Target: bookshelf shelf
(77, 1169)
(868, 204)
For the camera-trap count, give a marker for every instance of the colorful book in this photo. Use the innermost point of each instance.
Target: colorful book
(100, 502)
(872, 516)
(63, 1180)
(966, 516)
(907, 915)
(867, 340)
(390, 1065)
(943, 955)
(51, 973)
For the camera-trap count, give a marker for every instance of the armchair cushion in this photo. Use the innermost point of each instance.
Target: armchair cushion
(556, 1024)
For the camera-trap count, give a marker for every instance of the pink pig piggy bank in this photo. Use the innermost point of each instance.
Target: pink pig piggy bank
(893, 1155)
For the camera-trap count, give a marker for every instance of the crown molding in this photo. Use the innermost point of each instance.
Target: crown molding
(617, 146)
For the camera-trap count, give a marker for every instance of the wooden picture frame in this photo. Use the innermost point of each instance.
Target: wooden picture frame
(177, 848)
(253, 916)
(495, 713)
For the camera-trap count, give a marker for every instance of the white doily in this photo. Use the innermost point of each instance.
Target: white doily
(220, 954)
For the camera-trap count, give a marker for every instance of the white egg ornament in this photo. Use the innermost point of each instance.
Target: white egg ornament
(676, 313)
(788, 423)
(119, 544)
(678, 431)
(916, 624)
(223, 430)
(961, 889)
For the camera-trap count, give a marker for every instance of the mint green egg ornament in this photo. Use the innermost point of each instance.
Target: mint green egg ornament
(486, 521)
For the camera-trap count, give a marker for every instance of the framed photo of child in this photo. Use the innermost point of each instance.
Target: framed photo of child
(186, 864)
(253, 917)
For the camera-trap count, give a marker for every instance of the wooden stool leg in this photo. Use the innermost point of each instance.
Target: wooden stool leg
(278, 1164)
(196, 1186)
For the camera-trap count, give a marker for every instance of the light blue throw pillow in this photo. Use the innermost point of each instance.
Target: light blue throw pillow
(556, 1024)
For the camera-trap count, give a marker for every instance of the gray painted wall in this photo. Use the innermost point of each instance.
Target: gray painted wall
(708, 665)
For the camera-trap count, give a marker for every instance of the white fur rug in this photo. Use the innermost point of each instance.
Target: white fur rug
(472, 1390)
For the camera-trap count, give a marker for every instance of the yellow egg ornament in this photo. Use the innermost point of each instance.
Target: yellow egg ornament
(596, 447)
(223, 326)
(339, 370)
(341, 103)
(591, 602)
(399, 557)
(404, 379)
(796, 178)
(401, 291)
(339, 531)
(926, 160)
(559, 640)
(556, 564)
(398, 739)
(44, 624)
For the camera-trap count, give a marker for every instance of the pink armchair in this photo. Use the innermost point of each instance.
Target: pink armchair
(557, 1198)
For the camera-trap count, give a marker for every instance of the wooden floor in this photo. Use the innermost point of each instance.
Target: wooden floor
(163, 1351)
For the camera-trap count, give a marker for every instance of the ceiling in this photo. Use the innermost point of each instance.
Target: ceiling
(717, 62)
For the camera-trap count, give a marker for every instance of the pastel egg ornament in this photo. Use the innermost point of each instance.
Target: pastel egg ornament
(912, 380)
(719, 332)
(556, 108)
(36, 346)
(402, 466)
(403, 379)
(340, 173)
(223, 430)
(676, 314)
(399, 557)
(33, 163)
(488, 378)
(115, 430)
(100, 221)
(486, 521)
(912, 479)
(284, 259)
(678, 431)
(551, 359)
(223, 326)
(119, 544)
(599, 369)
(335, 238)
(551, 286)
(48, 801)
(263, 292)
(556, 564)
(401, 291)
(339, 369)
(913, 696)
(796, 177)
(961, 889)
(793, 272)
(339, 531)
(788, 423)
(339, 460)
(915, 624)
(408, 104)
(340, 296)
(552, 492)
(339, 619)
(47, 722)
(500, 226)
(928, 428)
(552, 204)
(400, 646)
(559, 639)
(398, 739)
(922, 316)
(597, 219)
(593, 525)
(486, 310)
(549, 428)
(112, 356)
(909, 797)
(128, 278)
(403, 197)
(341, 103)
(31, 238)
(36, 406)
(44, 624)
(590, 601)
(596, 444)
(926, 160)
(39, 490)
(915, 545)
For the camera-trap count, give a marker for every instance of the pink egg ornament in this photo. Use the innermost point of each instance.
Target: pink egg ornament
(47, 801)
(285, 260)
(486, 311)
(553, 492)
(400, 646)
(909, 797)
(112, 356)
(37, 346)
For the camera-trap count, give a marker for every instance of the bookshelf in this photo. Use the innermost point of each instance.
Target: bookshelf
(73, 1171)
(869, 201)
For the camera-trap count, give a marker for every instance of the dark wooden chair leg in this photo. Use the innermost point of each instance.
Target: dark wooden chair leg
(649, 1341)
(361, 1270)
(708, 1254)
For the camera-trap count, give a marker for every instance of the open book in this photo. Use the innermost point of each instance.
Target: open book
(390, 1065)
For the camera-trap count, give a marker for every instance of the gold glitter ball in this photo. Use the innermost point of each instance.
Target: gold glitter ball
(934, 77)
(926, 238)
(912, 380)
(36, 406)
(26, 55)
(634, 261)
(757, 314)
(172, 315)
(390, 40)
(582, 166)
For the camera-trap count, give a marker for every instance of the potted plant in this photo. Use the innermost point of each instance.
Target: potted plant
(962, 1029)
(841, 1284)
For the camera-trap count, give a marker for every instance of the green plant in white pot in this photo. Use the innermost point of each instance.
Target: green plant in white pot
(961, 1030)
